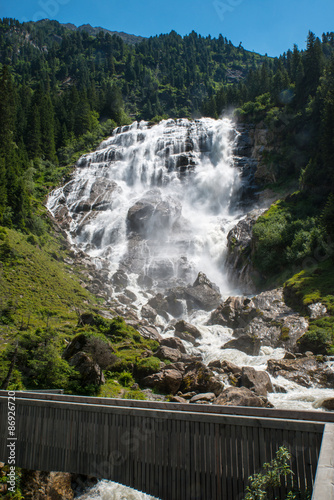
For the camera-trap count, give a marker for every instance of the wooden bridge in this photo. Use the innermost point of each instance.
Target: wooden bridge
(169, 450)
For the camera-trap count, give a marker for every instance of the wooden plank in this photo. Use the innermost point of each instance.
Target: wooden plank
(305, 415)
(245, 457)
(240, 465)
(324, 481)
(229, 463)
(307, 460)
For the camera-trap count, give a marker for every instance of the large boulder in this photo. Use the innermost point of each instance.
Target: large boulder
(200, 378)
(225, 367)
(149, 332)
(187, 332)
(168, 353)
(90, 372)
(305, 371)
(203, 294)
(76, 345)
(239, 249)
(240, 396)
(257, 381)
(174, 343)
(265, 316)
(234, 312)
(167, 381)
(153, 213)
(246, 343)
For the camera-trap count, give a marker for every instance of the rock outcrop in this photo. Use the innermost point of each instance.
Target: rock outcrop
(306, 371)
(246, 343)
(190, 378)
(265, 317)
(199, 378)
(239, 249)
(152, 213)
(203, 294)
(168, 380)
(186, 331)
(257, 381)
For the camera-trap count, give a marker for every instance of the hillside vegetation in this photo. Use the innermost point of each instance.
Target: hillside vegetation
(62, 90)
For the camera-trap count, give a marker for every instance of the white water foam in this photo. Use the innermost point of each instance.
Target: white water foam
(108, 490)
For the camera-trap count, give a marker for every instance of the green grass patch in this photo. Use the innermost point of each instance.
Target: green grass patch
(309, 287)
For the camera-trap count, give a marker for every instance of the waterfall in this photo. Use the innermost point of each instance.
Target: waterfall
(155, 202)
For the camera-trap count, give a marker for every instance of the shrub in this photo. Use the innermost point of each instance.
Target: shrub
(147, 366)
(262, 484)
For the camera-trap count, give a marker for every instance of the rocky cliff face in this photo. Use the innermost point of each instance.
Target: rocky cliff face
(254, 146)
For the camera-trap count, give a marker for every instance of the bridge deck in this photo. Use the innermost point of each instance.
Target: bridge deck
(169, 450)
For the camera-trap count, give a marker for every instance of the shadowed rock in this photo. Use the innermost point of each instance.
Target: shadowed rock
(240, 396)
(257, 381)
(245, 343)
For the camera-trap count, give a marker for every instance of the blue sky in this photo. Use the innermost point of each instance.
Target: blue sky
(265, 26)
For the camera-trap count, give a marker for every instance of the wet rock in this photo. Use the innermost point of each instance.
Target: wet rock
(246, 343)
(167, 381)
(184, 327)
(145, 281)
(240, 396)
(123, 299)
(203, 398)
(148, 312)
(279, 389)
(265, 316)
(169, 304)
(305, 371)
(168, 353)
(235, 312)
(174, 343)
(152, 213)
(186, 337)
(200, 378)
(239, 248)
(326, 403)
(160, 269)
(257, 381)
(120, 279)
(229, 367)
(203, 294)
(160, 305)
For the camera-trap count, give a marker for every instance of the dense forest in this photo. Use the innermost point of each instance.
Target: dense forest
(60, 85)
(62, 90)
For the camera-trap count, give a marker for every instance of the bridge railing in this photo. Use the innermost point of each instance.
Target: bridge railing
(168, 450)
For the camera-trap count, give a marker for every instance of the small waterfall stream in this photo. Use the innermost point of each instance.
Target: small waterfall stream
(152, 208)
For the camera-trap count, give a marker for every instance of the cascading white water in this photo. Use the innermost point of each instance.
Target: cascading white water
(152, 207)
(155, 201)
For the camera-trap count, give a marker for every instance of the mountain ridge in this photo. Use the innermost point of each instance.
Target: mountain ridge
(94, 30)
